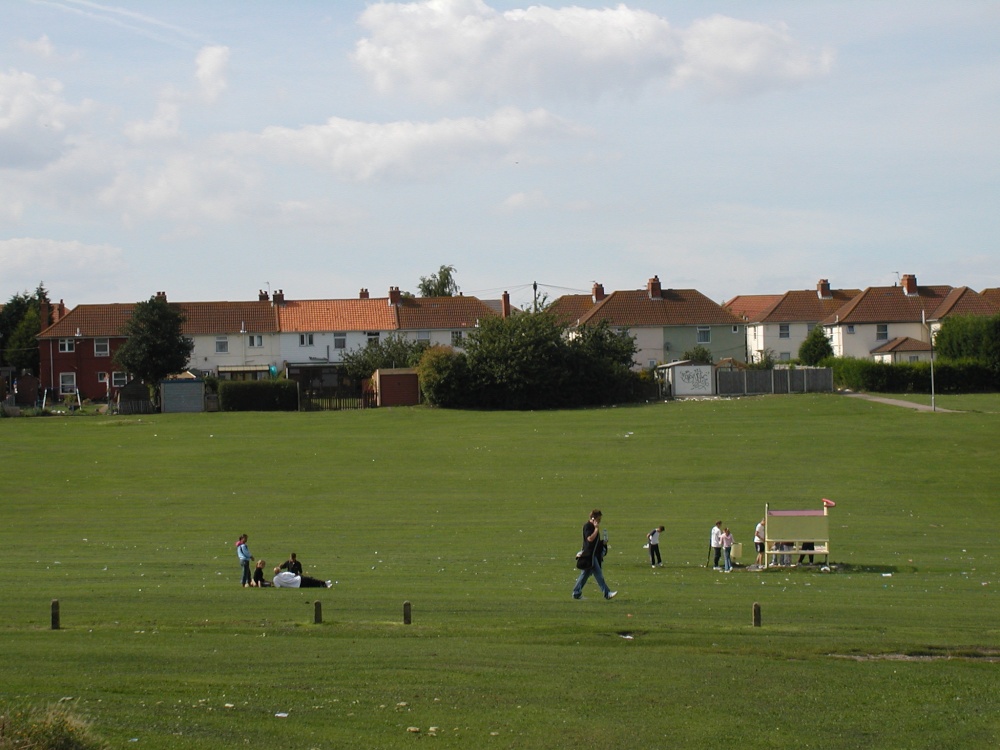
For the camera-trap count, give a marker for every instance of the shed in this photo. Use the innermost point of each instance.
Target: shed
(397, 387)
(182, 395)
(686, 378)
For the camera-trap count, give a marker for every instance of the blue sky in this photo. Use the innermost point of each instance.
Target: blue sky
(213, 149)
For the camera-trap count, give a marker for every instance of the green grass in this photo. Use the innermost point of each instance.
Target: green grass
(983, 402)
(474, 518)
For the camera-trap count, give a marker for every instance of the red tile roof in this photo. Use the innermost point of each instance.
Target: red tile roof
(202, 318)
(889, 304)
(437, 313)
(750, 306)
(964, 301)
(673, 307)
(372, 314)
(992, 296)
(805, 306)
(569, 308)
(902, 344)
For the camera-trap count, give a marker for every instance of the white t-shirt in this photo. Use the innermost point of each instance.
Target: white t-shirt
(758, 534)
(716, 537)
(287, 580)
(654, 536)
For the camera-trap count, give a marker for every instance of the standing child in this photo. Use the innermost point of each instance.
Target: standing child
(243, 553)
(654, 547)
(727, 548)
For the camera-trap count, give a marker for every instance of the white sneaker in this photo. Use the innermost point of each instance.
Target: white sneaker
(611, 595)
(329, 584)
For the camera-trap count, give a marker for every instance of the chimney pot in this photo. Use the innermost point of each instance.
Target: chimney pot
(505, 305)
(363, 294)
(910, 285)
(823, 289)
(597, 292)
(654, 289)
(278, 298)
(262, 296)
(394, 296)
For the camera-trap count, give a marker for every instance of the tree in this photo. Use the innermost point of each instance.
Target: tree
(22, 348)
(155, 345)
(601, 365)
(392, 351)
(23, 353)
(440, 284)
(699, 353)
(816, 347)
(970, 337)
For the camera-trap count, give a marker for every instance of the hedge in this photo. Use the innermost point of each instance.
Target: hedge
(950, 376)
(258, 395)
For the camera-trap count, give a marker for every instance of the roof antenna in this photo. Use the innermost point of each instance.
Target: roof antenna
(897, 278)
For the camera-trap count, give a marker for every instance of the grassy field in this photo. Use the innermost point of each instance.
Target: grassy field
(474, 518)
(988, 403)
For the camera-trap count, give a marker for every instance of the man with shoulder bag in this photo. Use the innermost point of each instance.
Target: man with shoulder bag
(591, 556)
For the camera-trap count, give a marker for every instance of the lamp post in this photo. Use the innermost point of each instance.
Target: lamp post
(930, 337)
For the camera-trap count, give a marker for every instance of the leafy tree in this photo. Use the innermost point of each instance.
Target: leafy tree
(392, 351)
(699, 353)
(440, 284)
(22, 354)
(155, 345)
(444, 377)
(970, 337)
(816, 347)
(601, 365)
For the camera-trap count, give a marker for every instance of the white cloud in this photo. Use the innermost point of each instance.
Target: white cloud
(364, 151)
(164, 125)
(449, 49)
(524, 201)
(212, 65)
(46, 257)
(34, 120)
(42, 47)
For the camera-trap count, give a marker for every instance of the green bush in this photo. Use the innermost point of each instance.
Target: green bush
(950, 376)
(444, 377)
(52, 728)
(258, 395)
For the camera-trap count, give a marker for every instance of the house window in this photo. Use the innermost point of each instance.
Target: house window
(809, 327)
(340, 340)
(372, 337)
(67, 345)
(102, 377)
(305, 339)
(118, 379)
(882, 332)
(456, 338)
(423, 337)
(255, 341)
(102, 348)
(704, 335)
(652, 363)
(222, 345)
(914, 358)
(783, 332)
(784, 356)
(67, 382)
(850, 329)
(736, 329)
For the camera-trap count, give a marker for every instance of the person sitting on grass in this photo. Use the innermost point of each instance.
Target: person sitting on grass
(292, 565)
(285, 579)
(258, 576)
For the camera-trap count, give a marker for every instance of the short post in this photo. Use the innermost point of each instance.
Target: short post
(407, 616)
(55, 614)
(318, 612)
(756, 614)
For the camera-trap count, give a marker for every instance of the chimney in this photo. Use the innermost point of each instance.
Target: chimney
(278, 297)
(597, 292)
(823, 289)
(363, 294)
(262, 296)
(909, 285)
(161, 296)
(394, 296)
(505, 305)
(653, 287)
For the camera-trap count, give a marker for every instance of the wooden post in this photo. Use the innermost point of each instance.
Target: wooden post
(55, 614)
(756, 614)
(318, 613)
(407, 616)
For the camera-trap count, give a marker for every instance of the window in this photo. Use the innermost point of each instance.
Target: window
(736, 329)
(456, 338)
(914, 357)
(255, 341)
(704, 335)
(67, 382)
(423, 337)
(809, 327)
(102, 377)
(340, 340)
(652, 363)
(305, 339)
(67, 345)
(882, 332)
(784, 356)
(222, 345)
(372, 337)
(102, 348)
(783, 332)
(118, 379)
(850, 329)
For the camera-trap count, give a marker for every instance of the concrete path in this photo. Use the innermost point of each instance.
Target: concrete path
(897, 402)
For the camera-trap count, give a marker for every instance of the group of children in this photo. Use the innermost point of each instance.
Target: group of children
(287, 575)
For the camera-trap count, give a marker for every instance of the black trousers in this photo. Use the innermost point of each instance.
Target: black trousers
(654, 554)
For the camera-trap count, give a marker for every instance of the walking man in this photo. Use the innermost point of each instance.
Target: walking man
(759, 541)
(591, 556)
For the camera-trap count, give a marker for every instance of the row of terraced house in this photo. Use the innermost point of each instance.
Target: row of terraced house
(306, 340)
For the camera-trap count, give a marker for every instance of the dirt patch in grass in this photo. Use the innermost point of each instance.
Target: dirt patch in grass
(932, 654)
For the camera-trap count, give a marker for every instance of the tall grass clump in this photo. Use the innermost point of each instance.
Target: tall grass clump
(55, 727)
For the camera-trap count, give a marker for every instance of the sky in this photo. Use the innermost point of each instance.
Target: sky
(214, 149)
